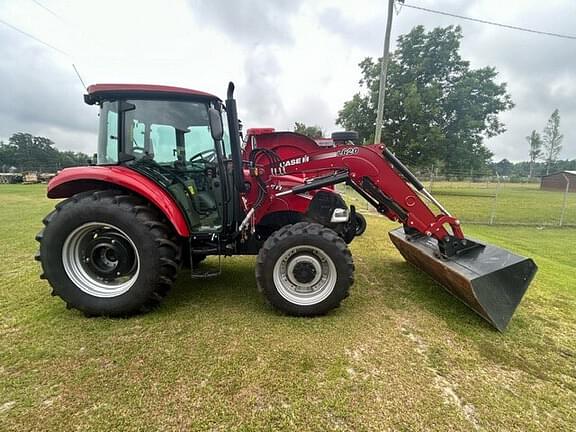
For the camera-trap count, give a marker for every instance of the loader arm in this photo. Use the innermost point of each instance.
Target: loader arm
(488, 279)
(375, 173)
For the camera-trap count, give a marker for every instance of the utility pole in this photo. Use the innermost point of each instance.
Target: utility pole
(384, 73)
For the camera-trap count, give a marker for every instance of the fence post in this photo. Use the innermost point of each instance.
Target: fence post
(565, 202)
(431, 179)
(495, 201)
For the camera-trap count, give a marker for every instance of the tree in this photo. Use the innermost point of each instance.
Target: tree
(310, 131)
(535, 153)
(438, 110)
(27, 152)
(552, 139)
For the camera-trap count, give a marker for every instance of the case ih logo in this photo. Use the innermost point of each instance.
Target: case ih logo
(295, 161)
(281, 169)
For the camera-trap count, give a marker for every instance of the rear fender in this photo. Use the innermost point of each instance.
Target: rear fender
(71, 181)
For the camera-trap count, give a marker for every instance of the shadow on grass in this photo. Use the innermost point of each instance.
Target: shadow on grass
(407, 286)
(234, 287)
(517, 347)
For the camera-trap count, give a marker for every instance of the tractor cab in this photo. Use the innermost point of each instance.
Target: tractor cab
(173, 136)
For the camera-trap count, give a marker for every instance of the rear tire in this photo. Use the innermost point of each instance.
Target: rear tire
(108, 253)
(304, 269)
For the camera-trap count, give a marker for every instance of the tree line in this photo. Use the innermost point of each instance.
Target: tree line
(528, 169)
(26, 152)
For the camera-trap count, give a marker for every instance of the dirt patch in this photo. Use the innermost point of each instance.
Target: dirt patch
(446, 387)
(7, 406)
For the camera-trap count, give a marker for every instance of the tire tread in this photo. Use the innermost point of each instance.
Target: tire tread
(303, 228)
(150, 217)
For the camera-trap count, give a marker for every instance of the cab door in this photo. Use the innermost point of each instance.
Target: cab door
(174, 139)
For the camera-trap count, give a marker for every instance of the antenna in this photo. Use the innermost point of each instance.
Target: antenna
(79, 77)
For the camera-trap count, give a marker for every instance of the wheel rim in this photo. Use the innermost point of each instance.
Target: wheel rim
(304, 275)
(101, 260)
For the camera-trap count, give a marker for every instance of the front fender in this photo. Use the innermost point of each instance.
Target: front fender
(71, 181)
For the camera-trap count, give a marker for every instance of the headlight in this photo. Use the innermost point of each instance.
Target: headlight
(339, 215)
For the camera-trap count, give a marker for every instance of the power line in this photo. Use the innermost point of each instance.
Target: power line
(33, 37)
(558, 35)
(45, 44)
(47, 9)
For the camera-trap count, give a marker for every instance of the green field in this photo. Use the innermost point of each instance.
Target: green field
(511, 203)
(400, 354)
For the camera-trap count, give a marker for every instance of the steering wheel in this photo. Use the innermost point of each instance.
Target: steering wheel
(199, 157)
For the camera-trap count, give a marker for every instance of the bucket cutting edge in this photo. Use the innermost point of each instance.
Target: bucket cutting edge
(489, 280)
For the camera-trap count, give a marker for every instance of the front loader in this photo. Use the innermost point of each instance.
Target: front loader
(174, 183)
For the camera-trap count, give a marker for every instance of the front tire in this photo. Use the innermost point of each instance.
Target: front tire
(360, 224)
(304, 269)
(108, 253)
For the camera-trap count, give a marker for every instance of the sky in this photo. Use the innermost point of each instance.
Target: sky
(291, 60)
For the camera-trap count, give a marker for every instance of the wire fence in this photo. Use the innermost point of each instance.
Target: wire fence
(493, 199)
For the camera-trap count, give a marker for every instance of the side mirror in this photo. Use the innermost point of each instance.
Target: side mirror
(216, 127)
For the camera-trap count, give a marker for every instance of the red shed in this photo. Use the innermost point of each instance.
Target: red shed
(557, 181)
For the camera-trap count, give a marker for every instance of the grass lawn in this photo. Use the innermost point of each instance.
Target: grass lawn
(523, 204)
(400, 354)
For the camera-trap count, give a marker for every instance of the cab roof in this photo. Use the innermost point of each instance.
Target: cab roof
(99, 92)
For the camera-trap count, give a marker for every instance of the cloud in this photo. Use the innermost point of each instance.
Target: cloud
(291, 60)
(39, 94)
(540, 70)
(366, 34)
(249, 21)
(313, 111)
(261, 31)
(366, 31)
(260, 95)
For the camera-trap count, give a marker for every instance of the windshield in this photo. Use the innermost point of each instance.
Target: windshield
(169, 132)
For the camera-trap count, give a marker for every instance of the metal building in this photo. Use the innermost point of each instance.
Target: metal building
(558, 181)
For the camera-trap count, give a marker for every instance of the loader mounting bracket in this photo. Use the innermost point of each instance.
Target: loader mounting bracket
(452, 246)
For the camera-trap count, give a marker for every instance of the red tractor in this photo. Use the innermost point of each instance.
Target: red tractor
(174, 183)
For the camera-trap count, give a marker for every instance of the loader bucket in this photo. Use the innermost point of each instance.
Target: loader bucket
(489, 280)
